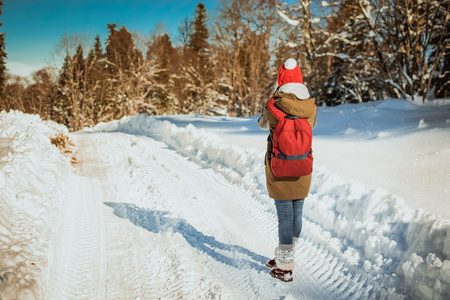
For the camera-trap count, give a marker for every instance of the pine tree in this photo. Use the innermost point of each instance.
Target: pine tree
(98, 51)
(197, 70)
(2, 57)
(198, 40)
(119, 46)
(61, 110)
(164, 54)
(199, 45)
(96, 82)
(120, 50)
(125, 65)
(79, 67)
(69, 109)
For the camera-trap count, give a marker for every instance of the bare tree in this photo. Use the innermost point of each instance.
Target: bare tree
(184, 32)
(242, 45)
(14, 92)
(40, 95)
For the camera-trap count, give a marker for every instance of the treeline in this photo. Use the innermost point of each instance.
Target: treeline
(349, 50)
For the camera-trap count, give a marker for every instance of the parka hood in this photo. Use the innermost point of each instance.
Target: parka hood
(299, 90)
(291, 105)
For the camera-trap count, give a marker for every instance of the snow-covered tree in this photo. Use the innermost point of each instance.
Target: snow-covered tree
(70, 90)
(303, 37)
(355, 74)
(197, 69)
(96, 84)
(164, 57)
(402, 34)
(127, 72)
(372, 49)
(242, 48)
(441, 52)
(199, 35)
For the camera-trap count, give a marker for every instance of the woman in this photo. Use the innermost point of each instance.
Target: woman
(289, 193)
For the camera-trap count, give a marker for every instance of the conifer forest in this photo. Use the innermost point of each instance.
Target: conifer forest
(350, 51)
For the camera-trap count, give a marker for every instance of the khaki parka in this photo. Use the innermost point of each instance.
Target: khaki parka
(287, 188)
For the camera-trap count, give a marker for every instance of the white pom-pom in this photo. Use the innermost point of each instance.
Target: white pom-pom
(290, 64)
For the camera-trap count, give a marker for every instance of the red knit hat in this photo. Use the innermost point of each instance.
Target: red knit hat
(289, 72)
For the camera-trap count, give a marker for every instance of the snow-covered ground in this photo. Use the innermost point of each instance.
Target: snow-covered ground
(176, 207)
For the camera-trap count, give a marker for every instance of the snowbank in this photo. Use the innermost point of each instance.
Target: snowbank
(391, 144)
(381, 238)
(371, 235)
(32, 177)
(243, 165)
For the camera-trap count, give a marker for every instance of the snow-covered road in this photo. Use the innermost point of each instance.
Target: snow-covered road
(176, 207)
(145, 222)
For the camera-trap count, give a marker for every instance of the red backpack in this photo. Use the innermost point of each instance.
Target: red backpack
(291, 144)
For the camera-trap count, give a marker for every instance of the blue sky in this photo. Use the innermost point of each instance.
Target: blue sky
(33, 27)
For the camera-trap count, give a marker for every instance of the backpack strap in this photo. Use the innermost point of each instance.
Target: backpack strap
(276, 112)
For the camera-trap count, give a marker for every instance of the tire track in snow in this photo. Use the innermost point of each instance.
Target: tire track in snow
(77, 272)
(164, 182)
(122, 269)
(203, 199)
(154, 269)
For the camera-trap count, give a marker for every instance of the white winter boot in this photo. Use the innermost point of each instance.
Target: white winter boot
(272, 263)
(284, 263)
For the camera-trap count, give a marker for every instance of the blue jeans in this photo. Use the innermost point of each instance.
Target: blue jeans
(289, 214)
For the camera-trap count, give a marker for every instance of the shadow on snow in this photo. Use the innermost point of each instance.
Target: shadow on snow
(158, 222)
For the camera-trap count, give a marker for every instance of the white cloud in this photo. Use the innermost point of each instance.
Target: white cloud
(22, 69)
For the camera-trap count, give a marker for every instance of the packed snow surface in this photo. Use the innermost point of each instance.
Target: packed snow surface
(176, 207)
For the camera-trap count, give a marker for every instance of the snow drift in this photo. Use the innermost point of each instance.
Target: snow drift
(32, 177)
